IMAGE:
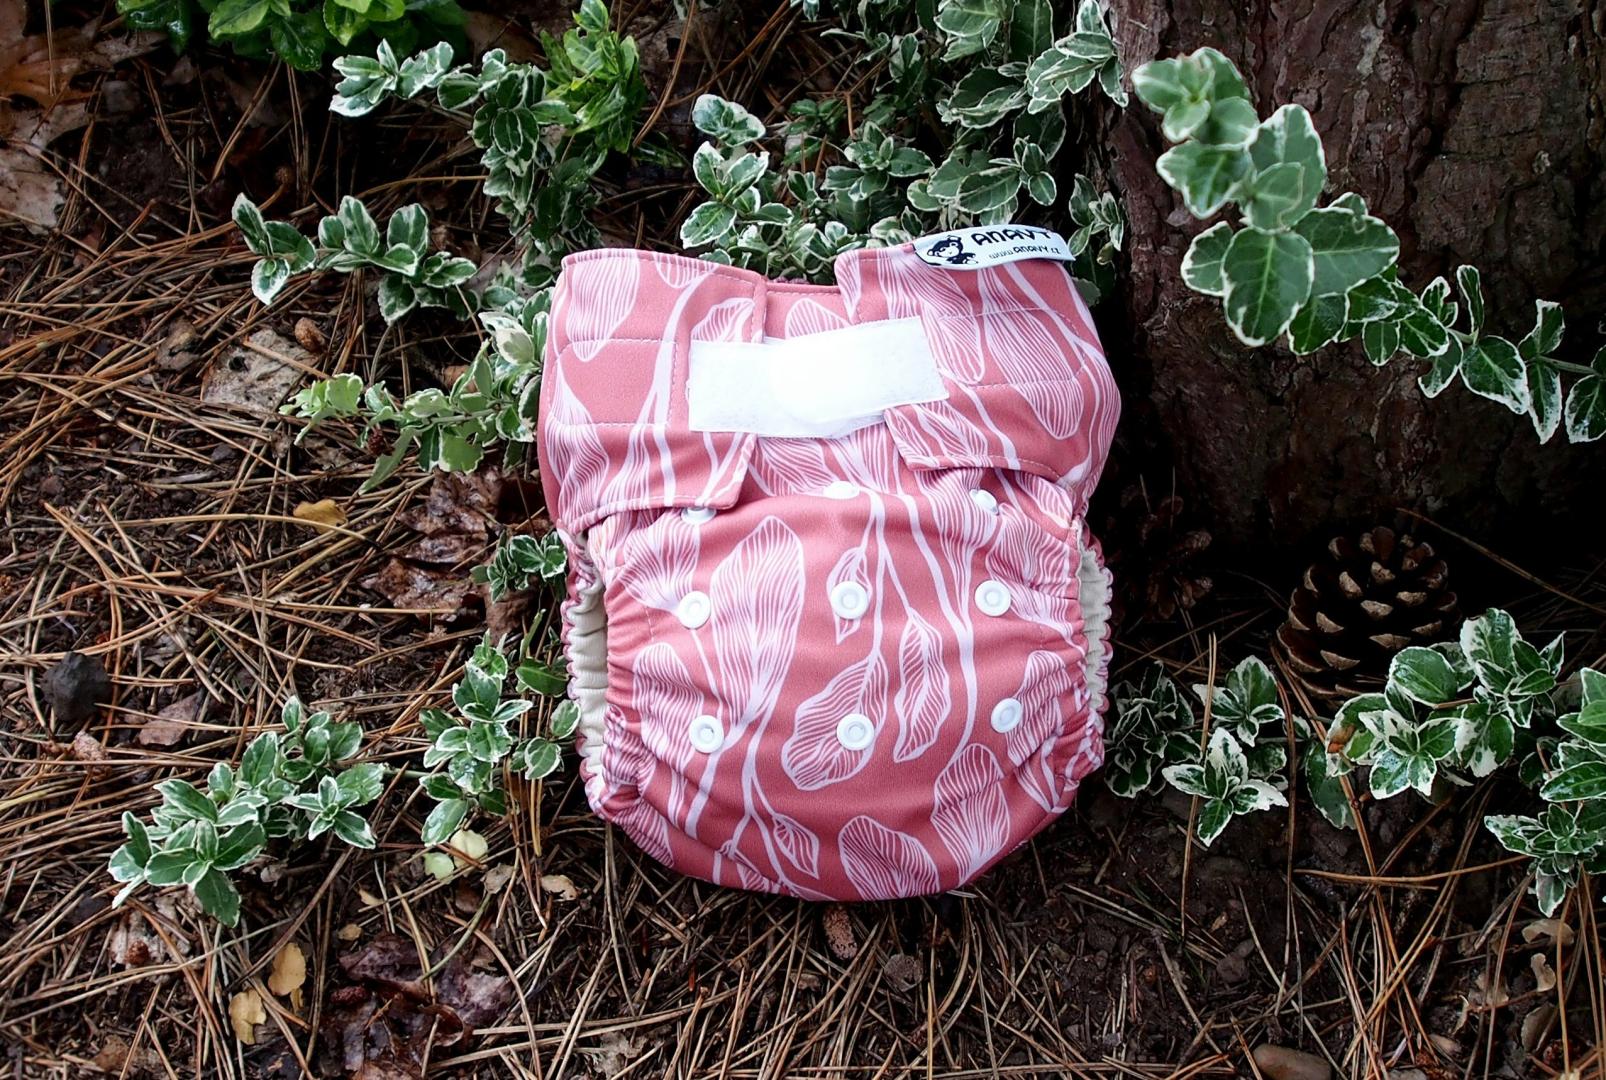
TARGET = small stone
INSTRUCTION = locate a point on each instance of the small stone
(902, 971)
(1281, 1063)
(310, 337)
(76, 688)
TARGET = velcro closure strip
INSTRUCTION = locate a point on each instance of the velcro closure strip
(815, 386)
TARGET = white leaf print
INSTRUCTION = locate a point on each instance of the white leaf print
(1042, 696)
(807, 317)
(913, 289)
(790, 466)
(850, 566)
(600, 294)
(923, 697)
(1036, 565)
(666, 699)
(648, 828)
(800, 846)
(678, 270)
(939, 433)
(656, 563)
(573, 448)
(727, 320)
(969, 810)
(1033, 356)
(884, 863)
(626, 761)
(868, 458)
(812, 755)
(757, 594)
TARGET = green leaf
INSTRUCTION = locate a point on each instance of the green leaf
(983, 98)
(1544, 397)
(1319, 322)
(1470, 284)
(236, 18)
(707, 224)
(1545, 337)
(443, 821)
(268, 278)
(726, 121)
(1423, 675)
(1446, 366)
(396, 297)
(1489, 642)
(1206, 176)
(990, 188)
(1288, 137)
(190, 802)
(1347, 248)
(1202, 262)
(1268, 277)
(299, 38)
(409, 228)
(361, 233)
(352, 829)
(1585, 780)
(218, 897)
(1586, 407)
(239, 846)
(459, 454)
(1493, 368)
(566, 718)
(1272, 198)
(539, 759)
(248, 219)
(1031, 28)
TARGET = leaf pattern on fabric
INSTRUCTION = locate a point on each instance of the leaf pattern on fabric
(850, 566)
(657, 563)
(969, 810)
(600, 293)
(783, 806)
(812, 756)
(923, 699)
(800, 846)
(666, 698)
(727, 320)
(883, 863)
(757, 595)
(807, 317)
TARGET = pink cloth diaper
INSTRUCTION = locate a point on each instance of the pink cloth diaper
(834, 622)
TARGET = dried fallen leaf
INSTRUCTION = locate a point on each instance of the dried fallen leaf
(839, 933)
(349, 933)
(246, 1011)
(87, 749)
(1544, 974)
(560, 885)
(478, 998)
(257, 374)
(173, 722)
(310, 337)
(321, 514)
(616, 1053)
(289, 973)
(1550, 930)
(415, 588)
(497, 877)
(1534, 1025)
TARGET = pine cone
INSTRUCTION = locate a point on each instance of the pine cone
(1369, 598)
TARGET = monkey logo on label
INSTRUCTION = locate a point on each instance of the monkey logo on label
(981, 247)
(951, 250)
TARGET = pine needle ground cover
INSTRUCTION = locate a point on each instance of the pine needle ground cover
(180, 561)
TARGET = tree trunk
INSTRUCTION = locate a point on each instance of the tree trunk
(1475, 129)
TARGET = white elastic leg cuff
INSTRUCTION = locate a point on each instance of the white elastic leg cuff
(1094, 596)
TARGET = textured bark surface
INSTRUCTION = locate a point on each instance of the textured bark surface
(1475, 128)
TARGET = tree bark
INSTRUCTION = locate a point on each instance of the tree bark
(1475, 129)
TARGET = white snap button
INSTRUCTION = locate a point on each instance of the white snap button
(854, 731)
(992, 597)
(694, 609)
(840, 489)
(1006, 714)
(850, 600)
(697, 514)
(708, 734)
(985, 499)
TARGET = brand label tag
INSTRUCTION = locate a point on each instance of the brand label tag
(981, 246)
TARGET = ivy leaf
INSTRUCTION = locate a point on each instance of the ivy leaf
(236, 18)
(1348, 248)
(1446, 366)
(218, 896)
(1268, 276)
(300, 39)
(707, 224)
(443, 821)
(1423, 675)
(725, 121)
(1544, 397)
(1288, 137)
(1586, 404)
(1201, 266)
(1492, 368)
(1470, 284)
(1206, 176)
(1319, 322)
(408, 228)
(1272, 197)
